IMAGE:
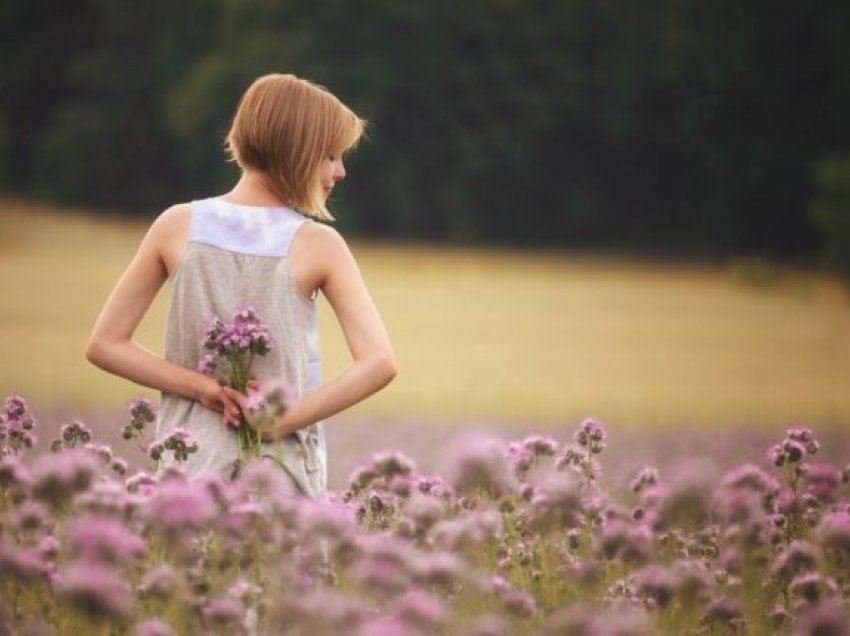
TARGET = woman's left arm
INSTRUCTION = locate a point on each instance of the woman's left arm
(111, 345)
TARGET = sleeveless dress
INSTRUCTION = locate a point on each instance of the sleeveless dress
(234, 255)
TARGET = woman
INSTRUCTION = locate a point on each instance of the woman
(257, 244)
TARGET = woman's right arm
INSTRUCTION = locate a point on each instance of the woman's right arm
(111, 345)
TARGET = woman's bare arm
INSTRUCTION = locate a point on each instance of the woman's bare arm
(373, 363)
(111, 345)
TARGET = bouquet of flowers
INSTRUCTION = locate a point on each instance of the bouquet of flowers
(232, 346)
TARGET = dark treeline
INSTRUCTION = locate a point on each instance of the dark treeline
(720, 126)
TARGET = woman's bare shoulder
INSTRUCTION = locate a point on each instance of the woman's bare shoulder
(323, 238)
(174, 217)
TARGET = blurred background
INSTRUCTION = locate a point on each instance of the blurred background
(638, 211)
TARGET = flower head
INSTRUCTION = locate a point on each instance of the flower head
(479, 463)
(104, 539)
(96, 590)
(591, 435)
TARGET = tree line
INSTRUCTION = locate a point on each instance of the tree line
(663, 124)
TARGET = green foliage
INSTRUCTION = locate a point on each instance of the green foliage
(831, 209)
(676, 123)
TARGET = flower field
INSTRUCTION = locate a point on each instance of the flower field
(533, 536)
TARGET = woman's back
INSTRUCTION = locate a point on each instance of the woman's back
(288, 137)
(233, 255)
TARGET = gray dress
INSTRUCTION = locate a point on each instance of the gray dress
(235, 255)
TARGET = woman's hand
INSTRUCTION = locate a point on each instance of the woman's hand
(221, 400)
(231, 403)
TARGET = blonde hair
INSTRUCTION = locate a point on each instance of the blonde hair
(285, 126)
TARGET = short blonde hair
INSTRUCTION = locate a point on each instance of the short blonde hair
(284, 126)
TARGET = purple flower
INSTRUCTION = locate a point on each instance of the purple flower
(362, 477)
(752, 477)
(469, 532)
(516, 602)
(478, 463)
(822, 481)
(179, 506)
(99, 538)
(424, 510)
(385, 626)
(541, 445)
(834, 532)
(725, 610)
(626, 541)
(271, 402)
(686, 501)
(159, 582)
(422, 610)
(142, 412)
(31, 516)
(245, 333)
(521, 459)
(142, 482)
(381, 571)
(556, 505)
(810, 586)
(223, 612)
(16, 424)
(793, 450)
(828, 618)
(391, 463)
(441, 569)
(154, 627)
(13, 473)
(800, 434)
(591, 435)
(208, 365)
(657, 583)
(21, 564)
(16, 407)
(73, 433)
(96, 590)
(180, 442)
(797, 557)
(56, 478)
(321, 519)
(647, 477)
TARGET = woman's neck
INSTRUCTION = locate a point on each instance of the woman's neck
(253, 189)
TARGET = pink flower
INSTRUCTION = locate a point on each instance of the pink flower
(822, 481)
(105, 539)
(391, 463)
(179, 506)
(21, 564)
(556, 505)
(422, 610)
(154, 627)
(834, 532)
(96, 590)
(385, 626)
(57, 478)
(478, 463)
(159, 582)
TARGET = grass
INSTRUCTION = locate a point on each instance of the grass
(478, 333)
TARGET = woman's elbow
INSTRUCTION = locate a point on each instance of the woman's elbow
(385, 369)
(96, 352)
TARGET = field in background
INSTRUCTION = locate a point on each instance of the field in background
(479, 334)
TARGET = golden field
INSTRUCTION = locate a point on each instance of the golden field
(479, 334)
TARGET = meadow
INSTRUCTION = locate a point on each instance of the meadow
(520, 537)
(687, 505)
(532, 338)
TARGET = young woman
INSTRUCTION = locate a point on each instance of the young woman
(257, 244)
